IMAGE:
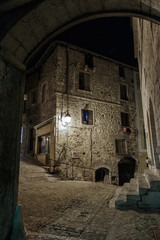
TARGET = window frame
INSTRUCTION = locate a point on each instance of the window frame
(117, 147)
(126, 92)
(123, 114)
(85, 86)
(92, 120)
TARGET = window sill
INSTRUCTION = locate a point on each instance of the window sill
(84, 91)
(125, 100)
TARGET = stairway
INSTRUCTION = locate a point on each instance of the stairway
(143, 191)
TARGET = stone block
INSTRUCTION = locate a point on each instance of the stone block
(151, 200)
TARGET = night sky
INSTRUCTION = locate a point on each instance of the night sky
(111, 37)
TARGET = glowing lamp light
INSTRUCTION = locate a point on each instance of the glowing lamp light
(67, 118)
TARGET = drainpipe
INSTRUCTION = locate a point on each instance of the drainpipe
(67, 80)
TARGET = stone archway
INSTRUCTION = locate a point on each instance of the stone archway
(36, 24)
(102, 175)
(126, 169)
(24, 32)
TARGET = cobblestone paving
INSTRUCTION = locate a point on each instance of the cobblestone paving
(71, 210)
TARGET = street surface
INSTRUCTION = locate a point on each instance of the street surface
(71, 210)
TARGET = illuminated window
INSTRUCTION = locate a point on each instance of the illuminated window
(87, 117)
(120, 146)
(84, 81)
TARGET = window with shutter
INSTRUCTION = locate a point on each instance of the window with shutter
(123, 92)
(124, 119)
(84, 81)
(87, 117)
(120, 146)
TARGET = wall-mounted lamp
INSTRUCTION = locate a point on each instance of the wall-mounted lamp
(67, 118)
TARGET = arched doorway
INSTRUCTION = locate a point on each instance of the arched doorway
(126, 168)
(102, 175)
(153, 134)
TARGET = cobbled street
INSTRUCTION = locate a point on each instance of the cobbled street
(70, 210)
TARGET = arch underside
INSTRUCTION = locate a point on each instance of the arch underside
(40, 21)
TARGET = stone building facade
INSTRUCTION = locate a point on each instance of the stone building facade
(147, 51)
(101, 141)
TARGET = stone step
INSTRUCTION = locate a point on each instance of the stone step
(150, 200)
(129, 196)
(143, 184)
(153, 179)
(120, 202)
(143, 191)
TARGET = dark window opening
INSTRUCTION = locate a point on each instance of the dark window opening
(84, 81)
(123, 92)
(89, 60)
(101, 175)
(124, 119)
(120, 146)
(44, 144)
(121, 72)
(87, 117)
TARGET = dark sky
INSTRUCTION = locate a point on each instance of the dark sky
(111, 37)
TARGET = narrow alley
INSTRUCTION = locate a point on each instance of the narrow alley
(70, 210)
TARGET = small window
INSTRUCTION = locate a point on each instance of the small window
(89, 60)
(121, 72)
(123, 92)
(87, 117)
(120, 146)
(124, 119)
(44, 93)
(84, 81)
(44, 144)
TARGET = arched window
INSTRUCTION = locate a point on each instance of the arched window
(44, 93)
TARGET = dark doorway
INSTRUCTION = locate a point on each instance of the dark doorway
(100, 174)
(126, 168)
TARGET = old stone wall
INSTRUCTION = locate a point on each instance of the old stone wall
(46, 74)
(93, 146)
(147, 39)
(80, 149)
(11, 95)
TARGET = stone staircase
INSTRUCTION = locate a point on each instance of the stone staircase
(143, 191)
